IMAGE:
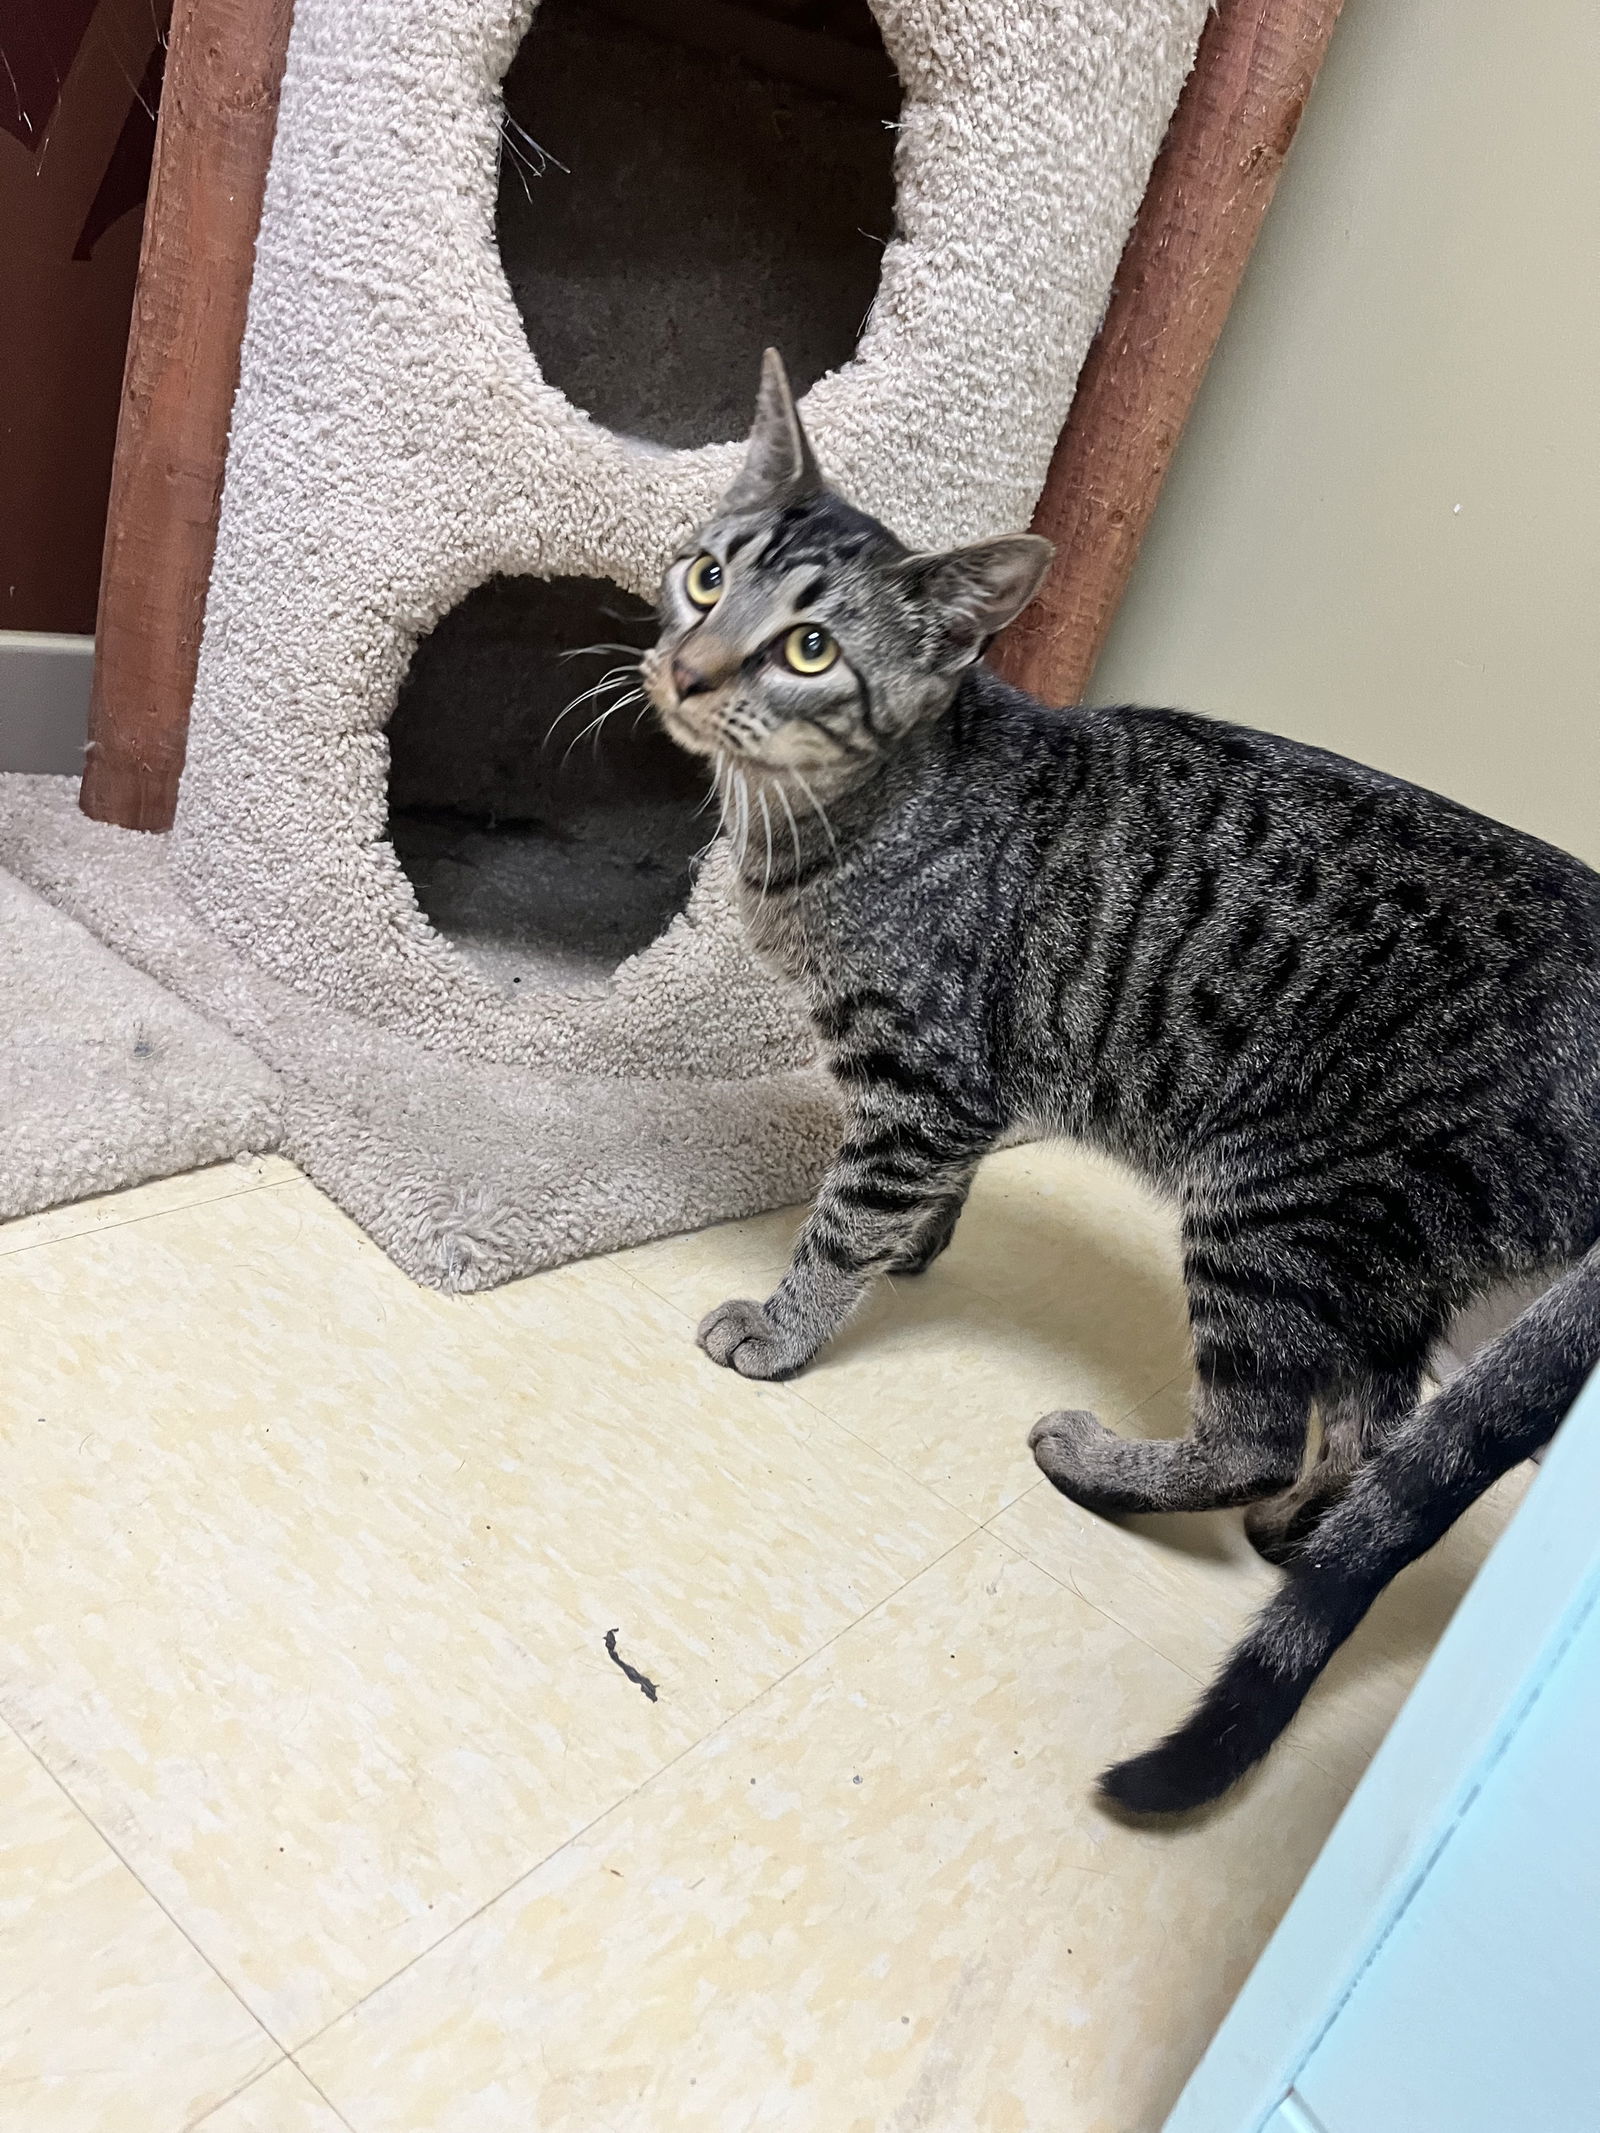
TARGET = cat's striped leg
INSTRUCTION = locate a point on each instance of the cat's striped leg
(1283, 1307)
(1356, 1423)
(938, 1226)
(1247, 1442)
(889, 1204)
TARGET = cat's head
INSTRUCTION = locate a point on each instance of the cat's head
(799, 634)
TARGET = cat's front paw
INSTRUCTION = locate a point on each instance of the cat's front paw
(741, 1337)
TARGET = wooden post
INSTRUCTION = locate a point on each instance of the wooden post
(214, 139)
(1208, 193)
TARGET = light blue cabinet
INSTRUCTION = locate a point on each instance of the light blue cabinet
(1439, 1971)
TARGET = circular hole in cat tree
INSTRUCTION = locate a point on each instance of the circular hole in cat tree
(686, 182)
(546, 834)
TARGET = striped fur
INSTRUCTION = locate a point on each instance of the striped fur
(1352, 1028)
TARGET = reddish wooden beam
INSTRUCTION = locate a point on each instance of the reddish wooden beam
(1208, 193)
(219, 108)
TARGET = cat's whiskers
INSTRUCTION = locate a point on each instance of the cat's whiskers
(794, 828)
(714, 794)
(741, 830)
(817, 807)
(617, 678)
(501, 146)
(524, 164)
(546, 159)
(595, 724)
(766, 819)
(612, 674)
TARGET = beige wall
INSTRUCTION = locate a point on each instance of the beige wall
(1382, 529)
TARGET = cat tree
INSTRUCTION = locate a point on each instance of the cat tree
(395, 446)
(502, 323)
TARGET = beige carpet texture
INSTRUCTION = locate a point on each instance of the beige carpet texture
(467, 1173)
(107, 1079)
(514, 274)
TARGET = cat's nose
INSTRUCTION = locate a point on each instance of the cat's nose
(688, 680)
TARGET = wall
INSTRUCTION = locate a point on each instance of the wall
(1382, 529)
(44, 701)
(77, 95)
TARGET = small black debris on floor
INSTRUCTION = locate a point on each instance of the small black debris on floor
(632, 1672)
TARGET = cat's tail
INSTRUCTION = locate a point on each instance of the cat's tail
(1506, 1404)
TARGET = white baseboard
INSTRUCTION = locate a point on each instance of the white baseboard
(44, 701)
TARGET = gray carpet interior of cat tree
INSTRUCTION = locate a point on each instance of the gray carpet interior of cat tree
(688, 210)
(531, 908)
(547, 826)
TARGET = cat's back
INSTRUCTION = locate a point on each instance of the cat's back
(1199, 891)
(1305, 830)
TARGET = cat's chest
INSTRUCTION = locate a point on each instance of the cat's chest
(811, 945)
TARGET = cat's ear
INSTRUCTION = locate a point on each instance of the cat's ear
(974, 592)
(780, 465)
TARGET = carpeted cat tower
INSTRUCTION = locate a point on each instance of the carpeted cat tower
(397, 446)
(509, 295)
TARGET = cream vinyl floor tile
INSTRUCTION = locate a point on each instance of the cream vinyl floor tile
(880, 1899)
(108, 2018)
(305, 1579)
(1061, 1289)
(309, 1571)
(702, 1269)
(947, 1381)
(1048, 1218)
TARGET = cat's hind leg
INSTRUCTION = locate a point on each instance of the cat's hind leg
(1357, 1422)
(1264, 1317)
(1284, 1306)
(1247, 1442)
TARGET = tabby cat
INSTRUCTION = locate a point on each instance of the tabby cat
(1352, 1028)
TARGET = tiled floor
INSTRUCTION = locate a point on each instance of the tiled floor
(323, 1806)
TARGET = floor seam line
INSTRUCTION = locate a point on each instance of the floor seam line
(633, 1793)
(1026, 1555)
(321, 2091)
(157, 1214)
(197, 2125)
(127, 1864)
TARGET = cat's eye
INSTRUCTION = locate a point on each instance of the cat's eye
(809, 650)
(703, 581)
